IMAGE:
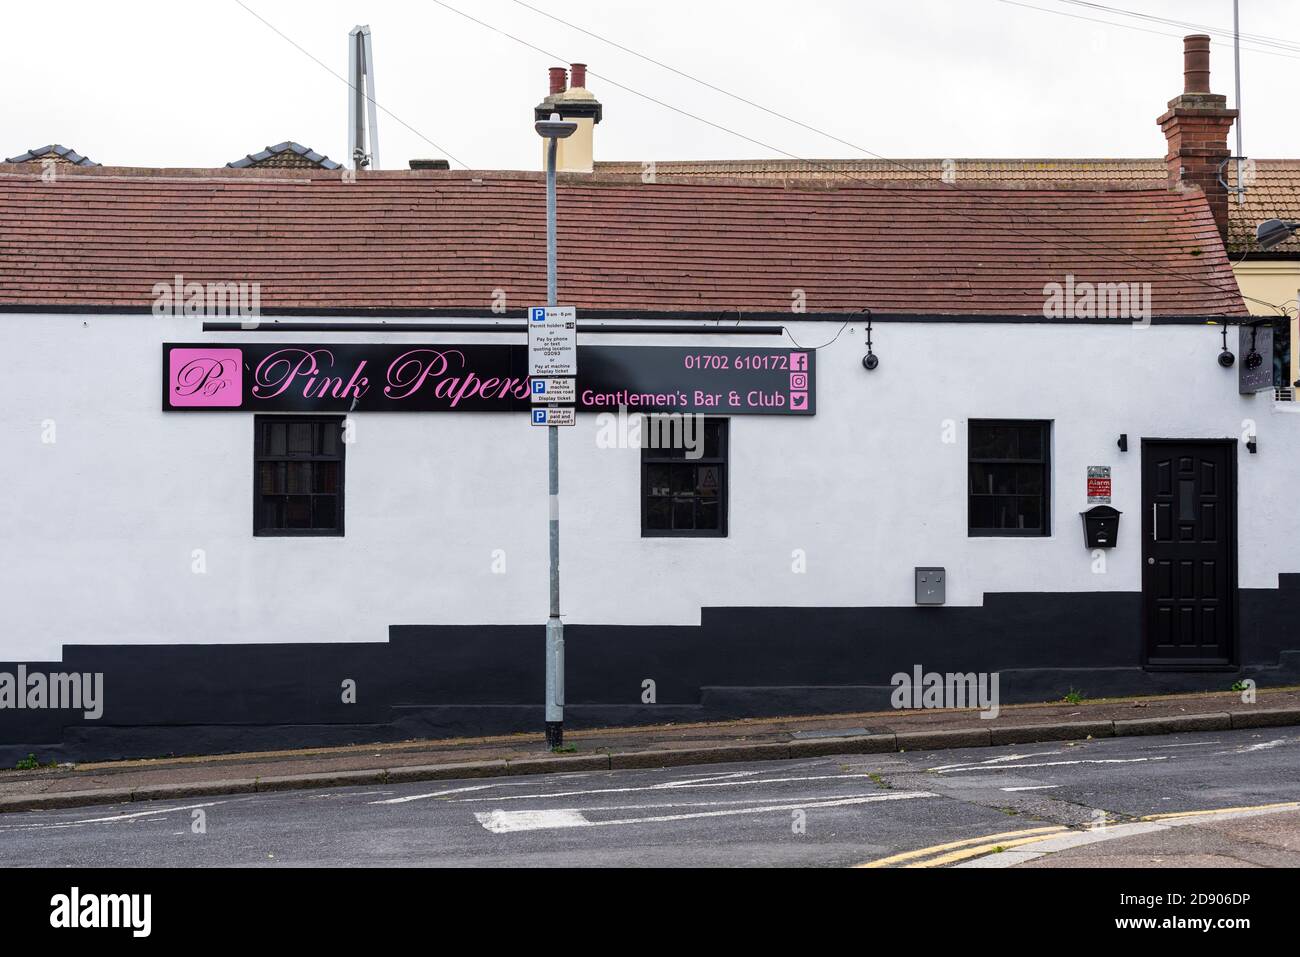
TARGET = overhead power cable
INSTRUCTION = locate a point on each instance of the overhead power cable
(1097, 248)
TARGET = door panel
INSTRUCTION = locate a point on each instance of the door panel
(1189, 552)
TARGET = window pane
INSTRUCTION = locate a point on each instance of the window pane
(272, 513)
(1031, 442)
(1029, 480)
(713, 438)
(297, 511)
(992, 479)
(683, 513)
(710, 514)
(683, 479)
(707, 479)
(1029, 512)
(299, 477)
(275, 438)
(981, 511)
(325, 512)
(657, 480)
(325, 477)
(1004, 512)
(992, 442)
(658, 514)
(300, 438)
(330, 438)
(269, 477)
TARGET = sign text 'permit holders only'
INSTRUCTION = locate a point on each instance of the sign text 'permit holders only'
(552, 341)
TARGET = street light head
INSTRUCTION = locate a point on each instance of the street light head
(555, 128)
(1273, 232)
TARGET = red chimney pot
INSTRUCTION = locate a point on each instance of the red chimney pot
(579, 71)
(558, 76)
(1196, 64)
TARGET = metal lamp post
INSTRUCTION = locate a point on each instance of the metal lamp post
(553, 130)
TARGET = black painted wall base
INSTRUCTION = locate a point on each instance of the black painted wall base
(450, 680)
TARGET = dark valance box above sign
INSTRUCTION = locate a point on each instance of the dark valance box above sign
(381, 377)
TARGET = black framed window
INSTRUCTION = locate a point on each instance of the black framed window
(298, 475)
(685, 497)
(1010, 477)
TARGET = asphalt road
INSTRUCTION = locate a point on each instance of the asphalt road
(821, 812)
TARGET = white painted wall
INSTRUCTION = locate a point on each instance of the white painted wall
(97, 529)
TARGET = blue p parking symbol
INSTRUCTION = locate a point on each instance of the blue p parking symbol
(539, 387)
(539, 416)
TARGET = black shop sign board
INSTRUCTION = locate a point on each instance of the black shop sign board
(488, 377)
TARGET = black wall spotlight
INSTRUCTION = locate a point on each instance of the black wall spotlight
(1252, 446)
(870, 361)
(1226, 358)
(1123, 442)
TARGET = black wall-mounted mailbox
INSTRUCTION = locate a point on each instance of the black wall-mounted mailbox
(1101, 526)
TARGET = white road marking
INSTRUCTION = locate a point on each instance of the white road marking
(1262, 746)
(112, 819)
(706, 780)
(1193, 744)
(1046, 764)
(668, 785)
(503, 822)
(715, 776)
(659, 806)
(436, 794)
(1033, 787)
(1001, 760)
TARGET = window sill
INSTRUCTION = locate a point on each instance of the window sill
(299, 534)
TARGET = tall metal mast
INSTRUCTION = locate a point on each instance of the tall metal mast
(363, 126)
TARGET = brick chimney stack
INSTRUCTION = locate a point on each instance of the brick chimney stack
(1196, 128)
(569, 97)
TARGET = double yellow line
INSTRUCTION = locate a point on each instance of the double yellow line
(940, 855)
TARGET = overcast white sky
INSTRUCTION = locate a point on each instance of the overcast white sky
(173, 83)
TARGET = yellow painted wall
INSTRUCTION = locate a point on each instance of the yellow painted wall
(1273, 281)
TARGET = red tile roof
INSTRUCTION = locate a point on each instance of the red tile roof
(450, 240)
(1273, 192)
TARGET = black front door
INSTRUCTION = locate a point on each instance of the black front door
(1189, 552)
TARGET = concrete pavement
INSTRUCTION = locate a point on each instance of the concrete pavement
(645, 747)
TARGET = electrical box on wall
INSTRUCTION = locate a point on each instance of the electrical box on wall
(930, 583)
